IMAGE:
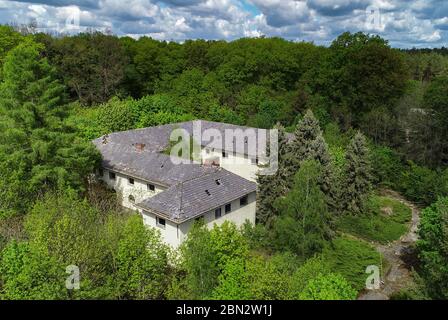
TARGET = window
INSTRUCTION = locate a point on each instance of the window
(218, 213)
(131, 199)
(243, 201)
(131, 180)
(151, 187)
(228, 208)
(112, 175)
(224, 155)
(161, 222)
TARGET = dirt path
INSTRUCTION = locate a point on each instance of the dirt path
(398, 275)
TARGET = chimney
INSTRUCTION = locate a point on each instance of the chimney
(139, 146)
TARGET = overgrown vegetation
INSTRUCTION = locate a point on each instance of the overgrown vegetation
(362, 115)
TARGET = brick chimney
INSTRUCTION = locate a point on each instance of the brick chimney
(139, 146)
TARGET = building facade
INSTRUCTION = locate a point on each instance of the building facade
(170, 195)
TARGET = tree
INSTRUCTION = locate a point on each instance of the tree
(8, 40)
(37, 150)
(28, 273)
(92, 65)
(117, 255)
(272, 187)
(433, 248)
(141, 262)
(304, 225)
(357, 175)
(308, 144)
(360, 72)
(206, 254)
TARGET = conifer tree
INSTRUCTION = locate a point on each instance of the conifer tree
(308, 143)
(304, 224)
(37, 150)
(272, 187)
(357, 175)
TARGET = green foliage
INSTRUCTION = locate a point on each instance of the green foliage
(304, 225)
(116, 115)
(92, 65)
(38, 151)
(272, 187)
(311, 269)
(361, 72)
(350, 258)
(357, 184)
(433, 248)
(386, 166)
(118, 257)
(386, 220)
(328, 287)
(28, 273)
(422, 184)
(207, 253)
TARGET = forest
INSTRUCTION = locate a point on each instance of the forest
(370, 127)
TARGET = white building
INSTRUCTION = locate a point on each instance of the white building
(170, 195)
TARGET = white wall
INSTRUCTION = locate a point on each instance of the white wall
(124, 189)
(174, 234)
(235, 163)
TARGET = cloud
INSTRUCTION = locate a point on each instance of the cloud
(404, 23)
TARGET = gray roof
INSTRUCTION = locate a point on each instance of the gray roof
(157, 138)
(186, 182)
(192, 198)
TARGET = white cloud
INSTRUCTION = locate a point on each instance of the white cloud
(404, 23)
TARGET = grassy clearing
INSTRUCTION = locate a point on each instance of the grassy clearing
(385, 221)
(350, 257)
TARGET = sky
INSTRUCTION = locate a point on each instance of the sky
(404, 23)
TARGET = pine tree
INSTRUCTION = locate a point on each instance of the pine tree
(37, 150)
(272, 187)
(357, 175)
(309, 144)
(304, 224)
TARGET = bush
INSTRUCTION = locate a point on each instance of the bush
(350, 257)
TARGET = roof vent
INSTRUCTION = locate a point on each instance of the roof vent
(218, 182)
(208, 192)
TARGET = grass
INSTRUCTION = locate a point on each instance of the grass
(350, 257)
(378, 225)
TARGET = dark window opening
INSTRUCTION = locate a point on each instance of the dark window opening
(112, 175)
(151, 187)
(224, 155)
(218, 213)
(161, 222)
(228, 208)
(131, 199)
(131, 181)
(243, 201)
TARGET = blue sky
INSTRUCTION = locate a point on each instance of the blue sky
(415, 23)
